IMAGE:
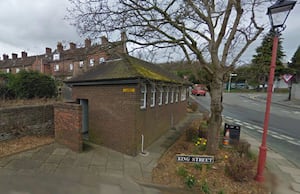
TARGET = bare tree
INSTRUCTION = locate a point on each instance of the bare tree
(215, 33)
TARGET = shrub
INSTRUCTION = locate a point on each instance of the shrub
(242, 147)
(191, 133)
(240, 168)
(203, 129)
(181, 171)
(32, 84)
(193, 106)
(205, 188)
(200, 143)
(190, 181)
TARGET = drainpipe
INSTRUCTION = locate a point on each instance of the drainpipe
(143, 144)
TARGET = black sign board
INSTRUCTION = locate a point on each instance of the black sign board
(234, 132)
(203, 159)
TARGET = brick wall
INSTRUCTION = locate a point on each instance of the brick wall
(153, 122)
(68, 123)
(116, 120)
(27, 120)
(111, 116)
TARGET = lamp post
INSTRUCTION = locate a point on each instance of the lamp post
(278, 14)
(230, 76)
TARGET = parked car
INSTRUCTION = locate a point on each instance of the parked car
(199, 91)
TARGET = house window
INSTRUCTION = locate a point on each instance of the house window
(71, 67)
(56, 56)
(167, 95)
(143, 96)
(81, 64)
(56, 67)
(172, 95)
(101, 60)
(176, 95)
(7, 70)
(153, 91)
(92, 62)
(160, 99)
(183, 94)
(17, 70)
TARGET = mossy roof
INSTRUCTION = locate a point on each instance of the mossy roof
(126, 67)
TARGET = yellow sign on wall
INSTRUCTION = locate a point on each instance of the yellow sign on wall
(128, 90)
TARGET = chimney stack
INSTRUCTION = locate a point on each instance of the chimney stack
(24, 54)
(5, 57)
(72, 46)
(48, 51)
(14, 56)
(87, 43)
(60, 47)
(104, 40)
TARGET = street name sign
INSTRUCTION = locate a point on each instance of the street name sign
(202, 159)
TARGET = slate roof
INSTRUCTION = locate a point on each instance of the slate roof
(19, 62)
(125, 67)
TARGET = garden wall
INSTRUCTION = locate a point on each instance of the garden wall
(26, 120)
(68, 124)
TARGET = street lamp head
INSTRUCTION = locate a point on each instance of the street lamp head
(279, 12)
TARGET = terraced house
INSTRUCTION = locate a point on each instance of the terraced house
(127, 99)
(65, 63)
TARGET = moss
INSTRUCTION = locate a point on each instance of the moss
(147, 73)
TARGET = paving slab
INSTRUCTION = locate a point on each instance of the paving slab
(296, 187)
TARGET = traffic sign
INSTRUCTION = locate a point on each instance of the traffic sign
(287, 77)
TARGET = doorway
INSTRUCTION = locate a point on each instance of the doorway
(85, 118)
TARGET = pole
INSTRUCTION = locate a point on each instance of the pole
(229, 83)
(263, 148)
(290, 89)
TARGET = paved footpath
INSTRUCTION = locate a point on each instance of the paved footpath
(287, 175)
(54, 169)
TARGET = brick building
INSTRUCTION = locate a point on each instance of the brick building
(65, 63)
(126, 98)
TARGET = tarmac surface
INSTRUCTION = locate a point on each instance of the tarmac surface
(54, 169)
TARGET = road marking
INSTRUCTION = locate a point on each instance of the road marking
(239, 123)
(287, 137)
(249, 127)
(285, 111)
(277, 137)
(295, 143)
(274, 132)
(256, 127)
(259, 131)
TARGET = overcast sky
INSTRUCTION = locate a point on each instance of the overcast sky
(32, 25)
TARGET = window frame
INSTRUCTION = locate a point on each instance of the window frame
(143, 99)
(92, 62)
(56, 67)
(167, 89)
(176, 94)
(172, 95)
(56, 57)
(183, 94)
(71, 67)
(153, 95)
(160, 99)
(81, 64)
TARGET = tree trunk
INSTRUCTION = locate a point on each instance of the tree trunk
(216, 108)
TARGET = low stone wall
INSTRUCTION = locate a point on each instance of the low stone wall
(296, 92)
(27, 120)
(68, 124)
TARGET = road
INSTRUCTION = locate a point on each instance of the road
(249, 113)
